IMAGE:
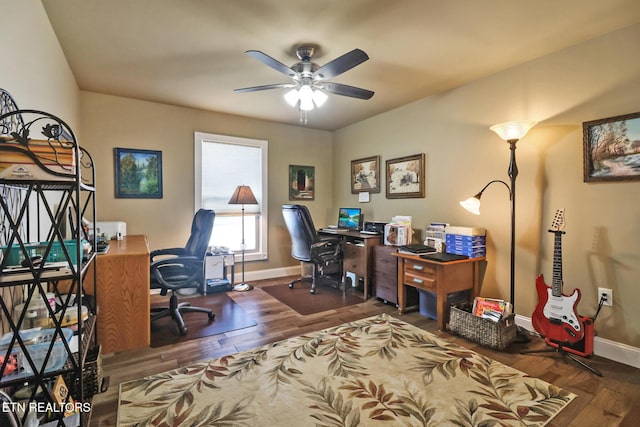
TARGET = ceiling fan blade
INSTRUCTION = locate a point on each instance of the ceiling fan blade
(265, 87)
(340, 64)
(346, 90)
(273, 63)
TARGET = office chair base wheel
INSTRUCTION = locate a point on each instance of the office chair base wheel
(212, 316)
(312, 291)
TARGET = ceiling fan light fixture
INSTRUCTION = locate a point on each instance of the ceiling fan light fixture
(306, 104)
(292, 97)
(310, 88)
(306, 98)
(319, 97)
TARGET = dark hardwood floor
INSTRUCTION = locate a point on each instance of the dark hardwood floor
(611, 400)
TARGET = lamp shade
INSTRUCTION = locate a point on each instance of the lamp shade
(243, 196)
(472, 204)
(514, 130)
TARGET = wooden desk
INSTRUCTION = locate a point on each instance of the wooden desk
(442, 278)
(358, 254)
(124, 320)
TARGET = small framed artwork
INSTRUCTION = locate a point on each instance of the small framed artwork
(406, 177)
(301, 182)
(612, 148)
(365, 175)
(138, 173)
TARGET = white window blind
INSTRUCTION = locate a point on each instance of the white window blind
(221, 164)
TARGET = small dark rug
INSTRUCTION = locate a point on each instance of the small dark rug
(229, 317)
(301, 300)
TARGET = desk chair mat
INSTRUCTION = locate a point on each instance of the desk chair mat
(303, 302)
(229, 317)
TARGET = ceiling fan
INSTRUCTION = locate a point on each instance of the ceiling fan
(310, 80)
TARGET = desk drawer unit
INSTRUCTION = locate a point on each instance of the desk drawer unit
(355, 259)
(419, 274)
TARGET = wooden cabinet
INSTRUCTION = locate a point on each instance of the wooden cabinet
(123, 291)
(386, 273)
(385, 276)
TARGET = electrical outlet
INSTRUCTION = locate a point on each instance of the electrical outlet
(608, 293)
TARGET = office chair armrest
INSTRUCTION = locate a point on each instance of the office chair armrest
(173, 273)
(167, 252)
(330, 242)
(326, 249)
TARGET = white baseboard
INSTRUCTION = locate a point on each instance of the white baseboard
(602, 347)
(267, 274)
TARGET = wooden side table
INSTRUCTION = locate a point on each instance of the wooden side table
(442, 278)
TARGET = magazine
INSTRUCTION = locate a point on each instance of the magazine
(490, 308)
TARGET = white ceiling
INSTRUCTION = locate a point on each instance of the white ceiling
(191, 52)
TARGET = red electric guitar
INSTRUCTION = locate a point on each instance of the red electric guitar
(555, 316)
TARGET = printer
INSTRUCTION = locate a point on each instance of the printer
(111, 229)
(374, 227)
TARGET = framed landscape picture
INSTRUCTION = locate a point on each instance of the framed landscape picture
(365, 175)
(138, 173)
(612, 148)
(301, 182)
(405, 177)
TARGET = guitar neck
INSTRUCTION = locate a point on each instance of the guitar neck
(556, 287)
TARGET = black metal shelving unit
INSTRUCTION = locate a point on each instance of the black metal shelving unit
(47, 189)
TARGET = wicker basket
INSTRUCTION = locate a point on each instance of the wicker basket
(91, 375)
(496, 335)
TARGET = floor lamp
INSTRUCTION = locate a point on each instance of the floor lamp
(243, 196)
(511, 132)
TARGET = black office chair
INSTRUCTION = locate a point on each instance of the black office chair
(306, 246)
(181, 268)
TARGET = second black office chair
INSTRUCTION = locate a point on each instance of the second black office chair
(181, 268)
(306, 246)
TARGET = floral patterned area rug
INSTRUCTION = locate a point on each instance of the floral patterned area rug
(375, 371)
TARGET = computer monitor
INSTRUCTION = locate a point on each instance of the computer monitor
(350, 218)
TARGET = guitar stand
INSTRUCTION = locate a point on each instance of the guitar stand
(583, 348)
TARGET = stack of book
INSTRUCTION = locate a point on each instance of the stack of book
(490, 308)
(469, 241)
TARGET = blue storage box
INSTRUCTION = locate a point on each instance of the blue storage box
(477, 252)
(455, 239)
(428, 301)
(428, 307)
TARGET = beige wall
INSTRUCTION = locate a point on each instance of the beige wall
(601, 247)
(110, 122)
(34, 70)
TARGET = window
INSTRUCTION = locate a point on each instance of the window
(221, 164)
